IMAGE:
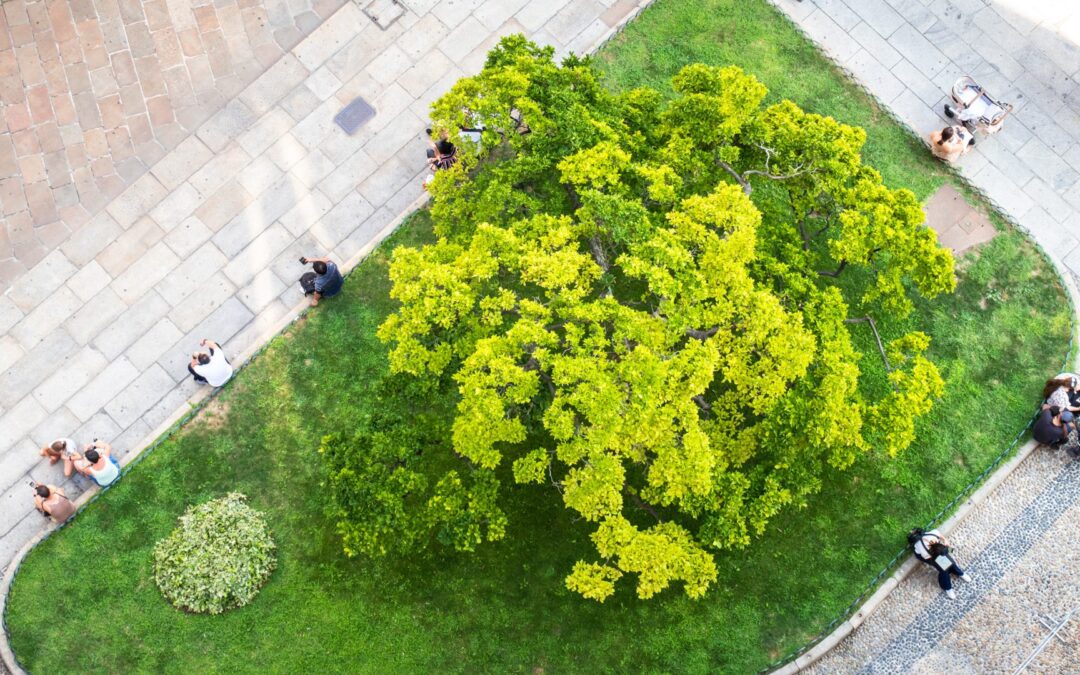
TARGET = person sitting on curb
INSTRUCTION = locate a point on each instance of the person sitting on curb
(325, 282)
(96, 461)
(951, 143)
(933, 549)
(210, 367)
(52, 502)
(1048, 429)
(59, 449)
(1056, 393)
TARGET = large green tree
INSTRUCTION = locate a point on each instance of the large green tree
(623, 325)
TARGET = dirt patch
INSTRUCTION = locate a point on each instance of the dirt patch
(214, 414)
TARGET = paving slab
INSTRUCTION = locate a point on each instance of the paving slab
(1016, 543)
(198, 195)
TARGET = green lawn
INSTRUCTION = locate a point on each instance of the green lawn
(505, 609)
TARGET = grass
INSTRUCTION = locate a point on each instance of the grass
(85, 600)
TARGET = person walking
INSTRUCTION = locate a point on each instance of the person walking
(52, 502)
(933, 549)
(96, 461)
(324, 282)
(210, 367)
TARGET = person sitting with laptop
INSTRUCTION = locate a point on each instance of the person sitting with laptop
(933, 549)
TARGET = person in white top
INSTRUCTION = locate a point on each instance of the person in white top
(933, 549)
(210, 367)
(96, 461)
(59, 449)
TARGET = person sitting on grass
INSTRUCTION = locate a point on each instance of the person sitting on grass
(52, 502)
(325, 282)
(96, 461)
(58, 449)
(933, 549)
(210, 367)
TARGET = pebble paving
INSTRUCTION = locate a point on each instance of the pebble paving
(941, 615)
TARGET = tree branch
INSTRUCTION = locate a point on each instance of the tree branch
(643, 505)
(598, 253)
(702, 403)
(738, 178)
(881, 348)
(702, 334)
(835, 273)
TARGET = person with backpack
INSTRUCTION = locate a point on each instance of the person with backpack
(933, 549)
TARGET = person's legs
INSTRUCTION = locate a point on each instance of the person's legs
(944, 580)
(1067, 420)
(198, 378)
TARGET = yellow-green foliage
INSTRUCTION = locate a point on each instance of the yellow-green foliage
(604, 287)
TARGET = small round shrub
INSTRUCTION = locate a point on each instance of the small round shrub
(217, 559)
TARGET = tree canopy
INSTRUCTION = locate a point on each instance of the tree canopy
(645, 303)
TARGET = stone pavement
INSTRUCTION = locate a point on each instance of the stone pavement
(1018, 547)
(94, 92)
(96, 336)
(909, 52)
(1020, 543)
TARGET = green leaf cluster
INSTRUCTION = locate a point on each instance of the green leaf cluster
(218, 557)
(623, 322)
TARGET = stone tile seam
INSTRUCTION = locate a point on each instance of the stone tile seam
(251, 86)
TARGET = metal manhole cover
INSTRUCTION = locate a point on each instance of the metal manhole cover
(354, 115)
(384, 12)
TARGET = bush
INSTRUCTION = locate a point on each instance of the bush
(217, 559)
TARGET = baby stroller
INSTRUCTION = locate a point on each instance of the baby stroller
(976, 109)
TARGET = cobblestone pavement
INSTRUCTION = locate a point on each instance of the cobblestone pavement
(94, 92)
(1020, 544)
(94, 338)
(1018, 548)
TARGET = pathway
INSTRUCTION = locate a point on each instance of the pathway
(94, 92)
(95, 336)
(1020, 543)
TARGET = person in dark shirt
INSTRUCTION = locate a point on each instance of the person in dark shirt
(325, 282)
(442, 154)
(1048, 429)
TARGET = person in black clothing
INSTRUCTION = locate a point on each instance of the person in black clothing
(1048, 429)
(442, 154)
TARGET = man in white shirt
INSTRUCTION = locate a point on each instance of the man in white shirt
(210, 367)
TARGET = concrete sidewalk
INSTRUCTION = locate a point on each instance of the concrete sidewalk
(97, 335)
(908, 53)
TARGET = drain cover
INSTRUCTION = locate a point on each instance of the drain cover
(384, 12)
(354, 115)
